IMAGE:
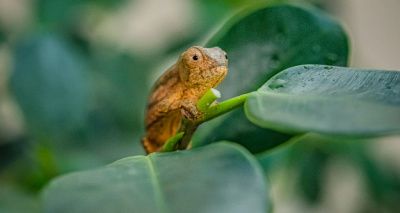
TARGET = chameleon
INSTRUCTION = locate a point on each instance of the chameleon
(175, 93)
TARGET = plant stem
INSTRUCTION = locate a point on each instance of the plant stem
(223, 107)
(182, 139)
(171, 143)
(205, 102)
(189, 130)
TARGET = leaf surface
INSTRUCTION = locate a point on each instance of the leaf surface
(330, 100)
(221, 177)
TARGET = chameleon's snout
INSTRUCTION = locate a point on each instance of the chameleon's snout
(218, 55)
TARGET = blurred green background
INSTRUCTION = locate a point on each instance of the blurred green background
(75, 74)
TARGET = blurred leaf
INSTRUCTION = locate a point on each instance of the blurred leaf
(330, 100)
(50, 85)
(235, 126)
(108, 3)
(217, 178)
(259, 44)
(309, 156)
(266, 41)
(210, 10)
(10, 151)
(120, 83)
(62, 13)
(15, 200)
(230, 3)
(2, 36)
(305, 160)
(55, 12)
(382, 181)
(311, 171)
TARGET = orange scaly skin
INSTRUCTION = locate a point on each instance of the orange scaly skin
(177, 91)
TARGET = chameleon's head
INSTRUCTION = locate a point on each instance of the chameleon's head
(205, 67)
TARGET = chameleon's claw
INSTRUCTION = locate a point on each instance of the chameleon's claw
(190, 114)
(190, 111)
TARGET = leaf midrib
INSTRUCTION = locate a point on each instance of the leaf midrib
(159, 197)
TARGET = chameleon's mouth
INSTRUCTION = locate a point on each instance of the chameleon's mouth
(217, 55)
(218, 73)
(218, 67)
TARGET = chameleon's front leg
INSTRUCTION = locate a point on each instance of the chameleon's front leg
(192, 114)
(190, 111)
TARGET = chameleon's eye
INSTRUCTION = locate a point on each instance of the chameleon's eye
(192, 57)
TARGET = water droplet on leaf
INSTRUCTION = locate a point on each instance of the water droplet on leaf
(277, 83)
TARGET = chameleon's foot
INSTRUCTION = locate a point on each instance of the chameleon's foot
(190, 111)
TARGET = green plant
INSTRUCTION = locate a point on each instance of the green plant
(273, 54)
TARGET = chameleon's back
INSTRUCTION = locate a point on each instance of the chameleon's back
(163, 116)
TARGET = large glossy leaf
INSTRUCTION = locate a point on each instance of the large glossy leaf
(261, 43)
(330, 100)
(217, 178)
(50, 85)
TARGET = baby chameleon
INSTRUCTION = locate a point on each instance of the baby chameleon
(176, 92)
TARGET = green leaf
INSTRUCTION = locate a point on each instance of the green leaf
(329, 100)
(50, 85)
(259, 44)
(217, 178)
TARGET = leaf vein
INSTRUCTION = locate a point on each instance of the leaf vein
(159, 197)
